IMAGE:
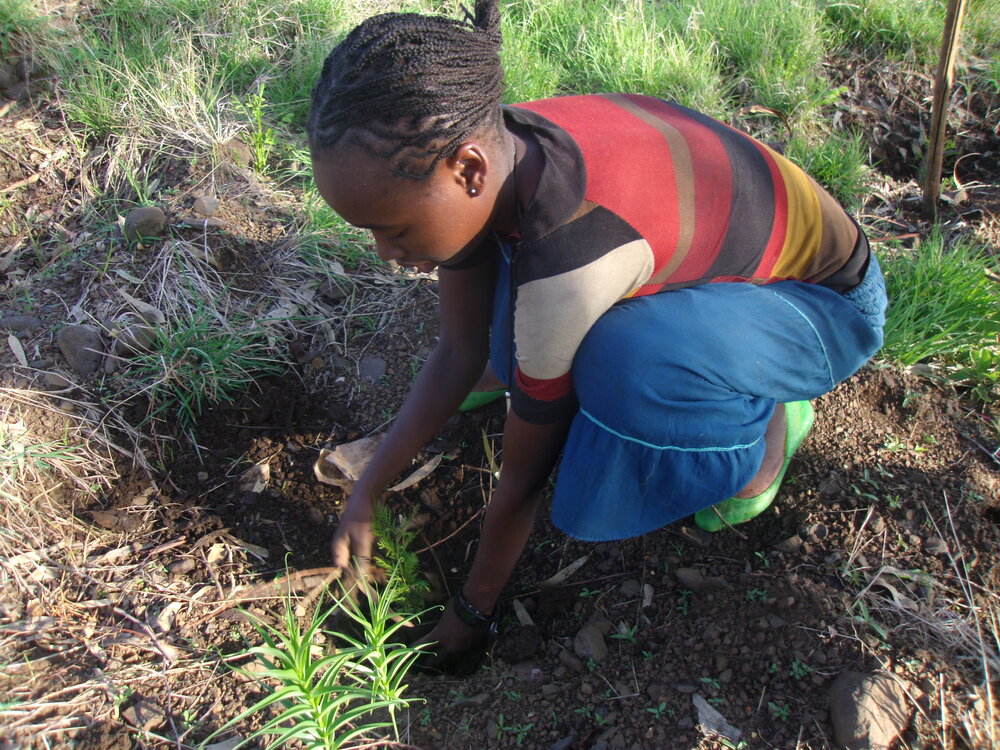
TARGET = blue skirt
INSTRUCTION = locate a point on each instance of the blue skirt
(676, 390)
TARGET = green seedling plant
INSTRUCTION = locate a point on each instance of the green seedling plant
(518, 731)
(659, 710)
(757, 595)
(798, 670)
(626, 634)
(261, 137)
(780, 711)
(395, 537)
(325, 703)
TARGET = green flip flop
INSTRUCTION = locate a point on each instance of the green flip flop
(475, 399)
(799, 418)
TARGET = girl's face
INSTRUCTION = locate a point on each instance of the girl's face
(416, 223)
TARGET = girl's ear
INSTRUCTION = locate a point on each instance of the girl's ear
(470, 167)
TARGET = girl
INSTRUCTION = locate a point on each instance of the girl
(660, 293)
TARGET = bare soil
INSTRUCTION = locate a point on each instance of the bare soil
(116, 613)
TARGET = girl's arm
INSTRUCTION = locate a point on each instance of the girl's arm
(529, 454)
(466, 301)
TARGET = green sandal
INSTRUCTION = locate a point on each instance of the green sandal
(799, 416)
(475, 399)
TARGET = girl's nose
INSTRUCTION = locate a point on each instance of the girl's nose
(387, 251)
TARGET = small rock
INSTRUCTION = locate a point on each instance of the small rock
(144, 714)
(203, 222)
(697, 537)
(935, 545)
(869, 710)
(790, 545)
(814, 532)
(685, 687)
(237, 152)
(55, 381)
(81, 346)
(206, 205)
(571, 662)
(589, 644)
(690, 578)
(371, 368)
(775, 622)
(564, 744)
(133, 340)
(146, 221)
(20, 323)
(630, 588)
(334, 290)
(182, 566)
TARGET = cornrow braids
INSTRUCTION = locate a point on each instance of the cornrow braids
(413, 86)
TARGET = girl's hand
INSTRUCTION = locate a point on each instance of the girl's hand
(451, 638)
(353, 537)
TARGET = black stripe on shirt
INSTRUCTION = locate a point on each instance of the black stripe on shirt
(574, 245)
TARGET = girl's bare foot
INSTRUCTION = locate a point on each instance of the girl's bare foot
(774, 455)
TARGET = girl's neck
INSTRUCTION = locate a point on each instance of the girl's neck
(521, 181)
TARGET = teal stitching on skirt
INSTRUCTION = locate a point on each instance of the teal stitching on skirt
(617, 434)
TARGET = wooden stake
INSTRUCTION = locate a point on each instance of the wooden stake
(939, 112)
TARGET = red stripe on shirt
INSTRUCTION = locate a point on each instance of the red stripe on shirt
(549, 389)
(623, 180)
(713, 188)
(776, 242)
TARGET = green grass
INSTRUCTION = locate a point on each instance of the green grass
(198, 360)
(942, 305)
(838, 162)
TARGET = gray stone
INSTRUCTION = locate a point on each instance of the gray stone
(870, 710)
(691, 578)
(81, 346)
(790, 545)
(630, 588)
(133, 340)
(146, 221)
(589, 644)
(55, 381)
(935, 545)
(564, 744)
(203, 222)
(697, 537)
(206, 205)
(20, 323)
(144, 714)
(814, 532)
(570, 661)
(371, 368)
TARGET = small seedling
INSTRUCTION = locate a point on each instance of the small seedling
(659, 710)
(762, 556)
(647, 655)
(520, 731)
(626, 634)
(512, 695)
(798, 670)
(712, 682)
(586, 593)
(773, 669)
(779, 711)
(757, 595)
(684, 605)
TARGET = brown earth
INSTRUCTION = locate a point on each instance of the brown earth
(878, 556)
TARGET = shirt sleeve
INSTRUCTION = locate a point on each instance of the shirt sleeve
(558, 302)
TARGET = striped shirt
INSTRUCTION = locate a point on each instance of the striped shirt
(638, 196)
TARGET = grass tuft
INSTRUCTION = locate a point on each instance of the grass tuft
(942, 303)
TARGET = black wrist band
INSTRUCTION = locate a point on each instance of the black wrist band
(469, 614)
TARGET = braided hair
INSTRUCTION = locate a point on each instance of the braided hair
(413, 86)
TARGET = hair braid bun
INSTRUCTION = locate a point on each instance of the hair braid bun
(411, 87)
